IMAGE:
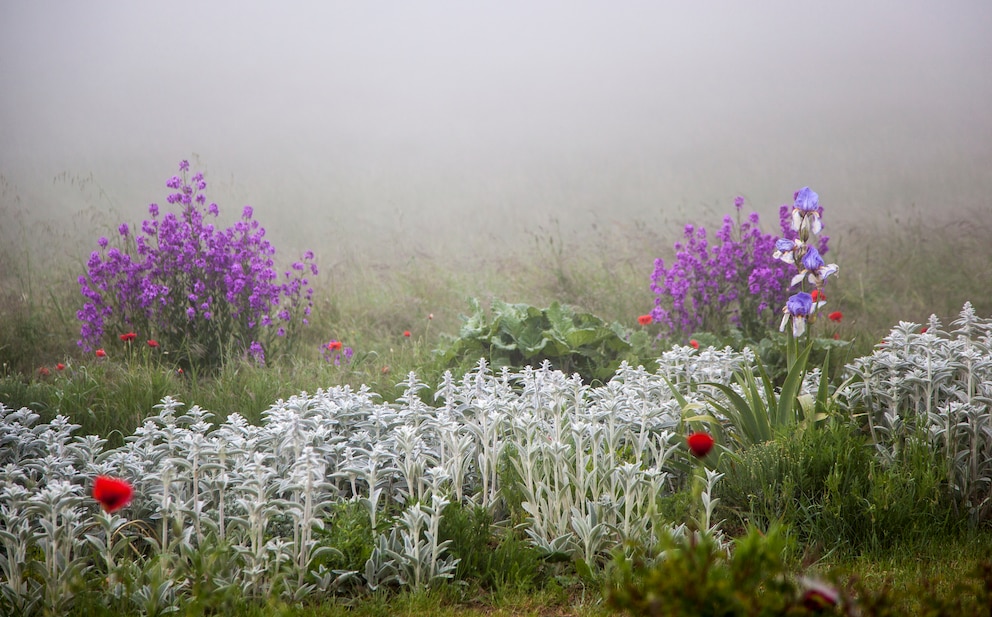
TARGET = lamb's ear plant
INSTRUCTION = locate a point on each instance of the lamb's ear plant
(20, 592)
(110, 540)
(590, 464)
(418, 552)
(933, 385)
(58, 509)
(210, 573)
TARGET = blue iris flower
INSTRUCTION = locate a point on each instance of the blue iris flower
(786, 250)
(812, 265)
(806, 211)
(798, 308)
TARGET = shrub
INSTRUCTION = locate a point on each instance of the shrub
(200, 292)
(697, 576)
(735, 284)
(829, 487)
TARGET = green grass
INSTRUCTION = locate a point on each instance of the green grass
(910, 268)
(909, 570)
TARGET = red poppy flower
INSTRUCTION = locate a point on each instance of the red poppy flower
(836, 336)
(60, 366)
(406, 333)
(694, 343)
(645, 320)
(334, 345)
(923, 330)
(818, 295)
(100, 353)
(700, 444)
(112, 493)
(44, 372)
(152, 343)
(835, 316)
(128, 337)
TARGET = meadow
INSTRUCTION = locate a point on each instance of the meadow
(415, 448)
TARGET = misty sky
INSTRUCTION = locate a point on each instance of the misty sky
(436, 123)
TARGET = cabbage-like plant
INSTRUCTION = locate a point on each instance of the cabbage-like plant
(518, 335)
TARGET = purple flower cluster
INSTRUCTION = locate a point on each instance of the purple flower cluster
(201, 291)
(733, 282)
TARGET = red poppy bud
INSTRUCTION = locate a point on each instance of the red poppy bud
(694, 343)
(112, 493)
(406, 333)
(60, 367)
(700, 444)
(819, 597)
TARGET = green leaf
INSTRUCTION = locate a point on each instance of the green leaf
(787, 400)
(749, 417)
(582, 338)
(823, 390)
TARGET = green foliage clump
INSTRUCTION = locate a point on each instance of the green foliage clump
(349, 532)
(832, 489)
(696, 576)
(495, 557)
(517, 335)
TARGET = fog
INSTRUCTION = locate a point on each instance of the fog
(466, 126)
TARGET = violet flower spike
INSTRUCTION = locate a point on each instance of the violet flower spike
(799, 307)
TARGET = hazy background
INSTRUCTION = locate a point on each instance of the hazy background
(376, 127)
